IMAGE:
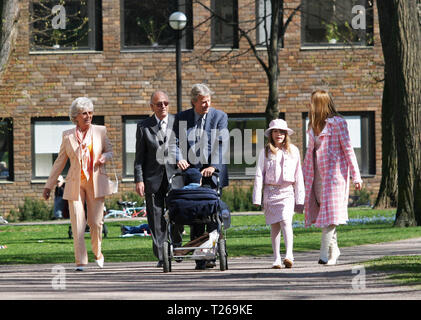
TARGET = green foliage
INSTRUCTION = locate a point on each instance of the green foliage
(363, 197)
(32, 209)
(239, 199)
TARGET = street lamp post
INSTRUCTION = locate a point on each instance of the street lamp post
(178, 21)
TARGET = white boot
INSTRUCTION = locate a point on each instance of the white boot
(334, 251)
(327, 234)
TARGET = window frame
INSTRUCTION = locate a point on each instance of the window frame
(365, 43)
(260, 24)
(95, 41)
(368, 141)
(8, 122)
(214, 21)
(137, 119)
(97, 119)
(186, 33)
(247, 116)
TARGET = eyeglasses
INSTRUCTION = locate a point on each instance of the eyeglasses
(161, 104)
(86, 113)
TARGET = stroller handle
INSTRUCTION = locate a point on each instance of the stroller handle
(177, 174)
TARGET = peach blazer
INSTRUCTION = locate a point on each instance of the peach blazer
(69, 149)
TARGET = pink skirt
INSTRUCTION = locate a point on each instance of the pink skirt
(278, 204)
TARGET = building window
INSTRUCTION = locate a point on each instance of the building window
(263, 21)
(361, 132)
(225, 23)
(129, 144)
(47, 137)
(66, 25)
(6, 149)
(337, 22)
(145, 24)
(246, 140)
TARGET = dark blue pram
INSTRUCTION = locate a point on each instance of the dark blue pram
(192, 206)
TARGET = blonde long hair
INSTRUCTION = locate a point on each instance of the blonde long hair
(321, 108)
(270, 145)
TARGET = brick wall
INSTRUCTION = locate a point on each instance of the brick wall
(120, 84)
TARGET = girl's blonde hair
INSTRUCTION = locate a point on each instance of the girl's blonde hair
(270, 145)
(321, 108)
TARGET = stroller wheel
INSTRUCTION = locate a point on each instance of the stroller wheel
(167, 257)
(223, 263)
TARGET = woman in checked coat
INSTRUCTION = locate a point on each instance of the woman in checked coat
(329, 161)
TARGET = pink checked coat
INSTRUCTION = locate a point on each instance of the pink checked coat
(69, 149)
(336, 161)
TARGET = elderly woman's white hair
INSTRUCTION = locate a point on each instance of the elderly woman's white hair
(80, 104)
(200, 89)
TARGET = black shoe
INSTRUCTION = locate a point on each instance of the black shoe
(200, 265)
(160, 264)
(322, 261)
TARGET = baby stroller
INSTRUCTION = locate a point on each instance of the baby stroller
(189, 206)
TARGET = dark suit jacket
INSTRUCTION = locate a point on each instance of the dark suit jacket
(152, 157)
(217, 143)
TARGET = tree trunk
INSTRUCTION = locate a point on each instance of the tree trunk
(388, 192)
(9, 30)
(403, 63)
(272, 72)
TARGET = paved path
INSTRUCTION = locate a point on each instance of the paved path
(248, 278)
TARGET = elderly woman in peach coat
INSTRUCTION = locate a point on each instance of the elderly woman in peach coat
(329, 161)
(88, 148)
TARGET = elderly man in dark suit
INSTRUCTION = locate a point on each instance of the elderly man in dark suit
(202, 143)
(153, 167)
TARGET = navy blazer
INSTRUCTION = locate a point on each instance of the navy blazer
(217, 142)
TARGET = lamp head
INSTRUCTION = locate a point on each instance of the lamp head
(178, 20)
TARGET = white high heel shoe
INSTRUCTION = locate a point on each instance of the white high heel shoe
(100, 262)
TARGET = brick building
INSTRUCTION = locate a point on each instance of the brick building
(120, 57)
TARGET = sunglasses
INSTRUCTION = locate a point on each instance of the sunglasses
(161, 104)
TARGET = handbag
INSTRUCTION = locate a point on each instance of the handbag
(113, 184)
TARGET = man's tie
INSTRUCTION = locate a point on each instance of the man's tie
(199, 129)
(161, 132)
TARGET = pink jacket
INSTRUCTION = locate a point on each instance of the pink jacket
(69, 149)
(335, 159)
(291, 171)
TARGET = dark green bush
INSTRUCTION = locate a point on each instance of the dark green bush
(32, 209)
(239, 199)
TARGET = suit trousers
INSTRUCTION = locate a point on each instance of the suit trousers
(95, 214)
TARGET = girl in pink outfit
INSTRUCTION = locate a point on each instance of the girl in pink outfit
(329, 160)
(279, 176)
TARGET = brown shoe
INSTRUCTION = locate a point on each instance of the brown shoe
(288, 263)
(276, 266)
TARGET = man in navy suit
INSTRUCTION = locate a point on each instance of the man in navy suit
(202, 143)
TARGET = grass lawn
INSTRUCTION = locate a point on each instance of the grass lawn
(248, 235)
(404, 270)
